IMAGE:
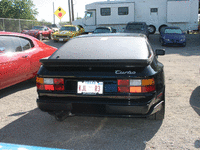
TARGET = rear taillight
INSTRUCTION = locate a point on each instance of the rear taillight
(136, 85)
(50, 84)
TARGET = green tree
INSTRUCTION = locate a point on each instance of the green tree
(6, 9)
(63, 23)
(18, 9)
(78, 18)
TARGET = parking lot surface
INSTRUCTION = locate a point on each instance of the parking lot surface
(21, 122)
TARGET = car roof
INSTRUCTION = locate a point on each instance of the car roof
(68, 25)
(105, 46)
(113, 34)
(103, 27)
(172, 27)
(16, 34)
(34, 40)
(136, 23)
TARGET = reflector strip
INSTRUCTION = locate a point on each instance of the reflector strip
(136, 85)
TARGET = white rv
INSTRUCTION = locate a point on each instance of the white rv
(156, 14)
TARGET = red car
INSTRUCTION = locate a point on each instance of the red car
(19, 57)
(39, 32)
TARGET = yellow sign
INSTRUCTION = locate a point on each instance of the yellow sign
(60, 12)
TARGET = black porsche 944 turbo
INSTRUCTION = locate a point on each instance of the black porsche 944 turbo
(103, 75)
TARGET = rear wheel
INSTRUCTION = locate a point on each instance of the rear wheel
(40, 37)
(161, 41)
(50, 36)
(152, 29)
(162, 27)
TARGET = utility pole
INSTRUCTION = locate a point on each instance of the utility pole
(53, 14)
(72, 5)
(70, 19)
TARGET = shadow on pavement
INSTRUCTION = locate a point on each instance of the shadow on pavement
(195, 100)
(17, 87)
(37, 128)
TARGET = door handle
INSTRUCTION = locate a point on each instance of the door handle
(25, 56)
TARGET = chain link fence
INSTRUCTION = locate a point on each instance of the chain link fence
(17, 25)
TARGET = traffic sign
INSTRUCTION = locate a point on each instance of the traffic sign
(60, 12)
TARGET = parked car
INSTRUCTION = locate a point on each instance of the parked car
(19, 57)
(54, 28)
(172, 36)
(137, 27)
(103, 75)
(67, 32)
(39, 32)
(104, 30)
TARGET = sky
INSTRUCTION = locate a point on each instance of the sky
(45, 9)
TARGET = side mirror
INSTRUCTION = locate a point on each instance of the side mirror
(160, 52)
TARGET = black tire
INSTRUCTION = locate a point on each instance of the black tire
(184, 44)
(40, 37)
(152, 29)
(161, 27)
(161, 41)
(50, 36)
(60, 118)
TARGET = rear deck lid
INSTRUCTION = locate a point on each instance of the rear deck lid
(103, 50)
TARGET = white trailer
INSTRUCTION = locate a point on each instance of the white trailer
(156, 13)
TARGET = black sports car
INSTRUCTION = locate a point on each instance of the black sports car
(103, 75)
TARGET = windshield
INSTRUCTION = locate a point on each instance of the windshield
(120, 47)
(170, 31)
(135, 27)
(101, 30)
(54, 25)
(68, 28)
(38, 28)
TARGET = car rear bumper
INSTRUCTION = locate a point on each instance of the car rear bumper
(101, 107)
(174, 43)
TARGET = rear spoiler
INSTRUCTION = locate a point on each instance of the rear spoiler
(96, 63)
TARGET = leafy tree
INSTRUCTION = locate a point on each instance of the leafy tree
(63, 23)
(18, 9)
(78, 18)
(6, 9)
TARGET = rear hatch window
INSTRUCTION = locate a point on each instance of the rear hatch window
(108, 47)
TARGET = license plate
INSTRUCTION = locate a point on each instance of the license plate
(90, 87)
(60, 39)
